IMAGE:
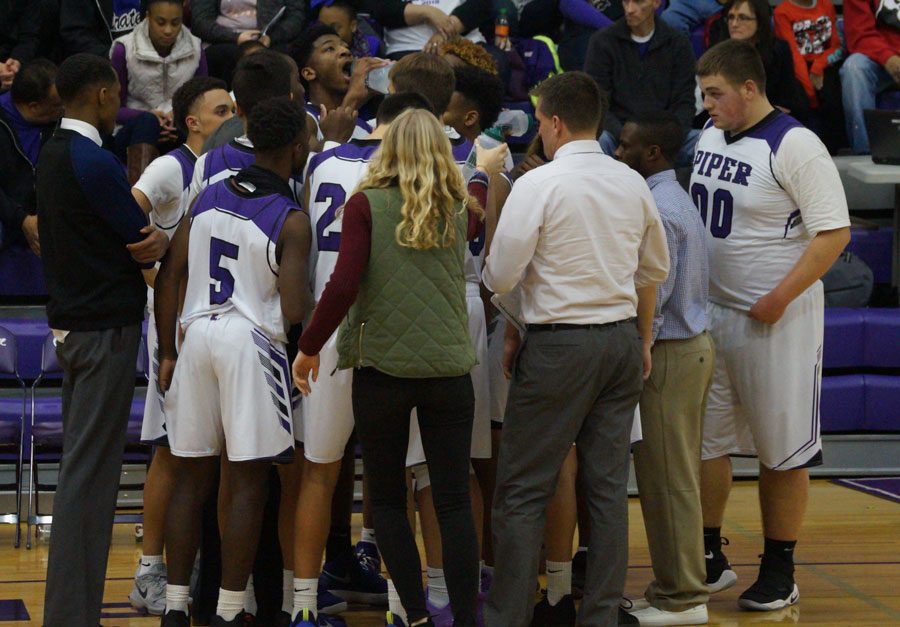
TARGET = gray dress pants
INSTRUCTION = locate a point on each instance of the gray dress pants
(570, 385)
(98, 387)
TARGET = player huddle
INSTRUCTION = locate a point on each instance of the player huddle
(261, 242)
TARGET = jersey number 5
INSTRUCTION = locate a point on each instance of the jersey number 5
(722, 209)
(328, 238)
(221, 285)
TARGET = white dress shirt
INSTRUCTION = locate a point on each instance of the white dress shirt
(580, 234)
(82, 128)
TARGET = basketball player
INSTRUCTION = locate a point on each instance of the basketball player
(777, 219)
(199, 107)
(243, 252)
(330, 75)
(327, 415)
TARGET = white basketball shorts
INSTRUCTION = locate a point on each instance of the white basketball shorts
(764, 396)
(231, 392)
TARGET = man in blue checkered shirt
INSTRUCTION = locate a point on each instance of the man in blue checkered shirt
(667, 462)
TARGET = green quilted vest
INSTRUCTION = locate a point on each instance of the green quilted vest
(409, 319)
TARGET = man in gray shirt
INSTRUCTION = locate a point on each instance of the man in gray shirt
(667, 462)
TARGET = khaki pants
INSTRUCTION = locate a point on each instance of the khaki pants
(667, 464)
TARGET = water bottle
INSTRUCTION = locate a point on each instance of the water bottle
(512, 123)
(377, 79)
(489, 139)
(501, 31)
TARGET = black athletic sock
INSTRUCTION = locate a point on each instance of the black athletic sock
(338, 544)
(712, 539)
(780, 554)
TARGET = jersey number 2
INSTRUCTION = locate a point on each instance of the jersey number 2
(722, 209)
(221, 285)
(326, 238)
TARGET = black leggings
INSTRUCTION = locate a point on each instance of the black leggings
(445, 407)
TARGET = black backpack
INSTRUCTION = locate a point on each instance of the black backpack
(848, 283)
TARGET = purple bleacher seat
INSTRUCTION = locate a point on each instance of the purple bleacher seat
(21, 273)
(30, 334)
(843, 405)
(881, 343)
(10, 418)
(888, 99)
(882, 403)
(873, 246)
(48, 428)
(843, 346)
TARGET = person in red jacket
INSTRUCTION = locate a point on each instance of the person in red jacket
(810, 29)
(872, 29)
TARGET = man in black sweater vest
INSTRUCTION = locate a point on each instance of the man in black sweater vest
(94, 240)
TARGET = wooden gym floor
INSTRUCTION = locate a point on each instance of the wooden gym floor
(848, 570)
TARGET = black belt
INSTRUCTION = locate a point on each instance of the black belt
(561, 326)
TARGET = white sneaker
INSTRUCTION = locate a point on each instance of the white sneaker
(633, 605)
(653, 616)
(149, 590)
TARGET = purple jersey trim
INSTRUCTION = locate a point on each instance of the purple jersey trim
(354, 150)
(231, 156)
(267, 212)
(186, 159)
(775, 130)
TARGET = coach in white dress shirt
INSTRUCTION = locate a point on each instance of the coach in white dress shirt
(581, 237)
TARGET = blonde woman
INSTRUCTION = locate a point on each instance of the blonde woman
(399, 281)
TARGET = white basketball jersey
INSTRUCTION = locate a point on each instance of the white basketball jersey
(762, 194)
(333, 175)
(231, 257)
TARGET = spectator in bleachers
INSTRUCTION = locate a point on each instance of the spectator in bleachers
(20, 20)
(28, 113)
(643, 63)
(529, 18)
(686, 15)
(224, 24)
(751, 20)
(810, 29)
(341, 15)
(92, 26)
(872, 29)
(421, 25)
(582, 19)
(152, 62)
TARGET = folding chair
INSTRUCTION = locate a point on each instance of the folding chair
(12, 423)
(47, 436)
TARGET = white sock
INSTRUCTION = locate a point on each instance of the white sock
(368, 535)
(437, 588)
(287, 591)
(394, 604)
(148, 561)
(559, 580)
(230, 604)
(177, 598)
(305, 591)
(249, 599)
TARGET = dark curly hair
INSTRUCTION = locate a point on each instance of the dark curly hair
(276, 123)
(302, 49)
(484, 90)
(187, 95)
(81, 72)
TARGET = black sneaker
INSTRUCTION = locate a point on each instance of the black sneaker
(562, 614)
(774, 589)
(579, 570)
(719, 575)
(175, 618)
(238, 621)
(627, 619)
